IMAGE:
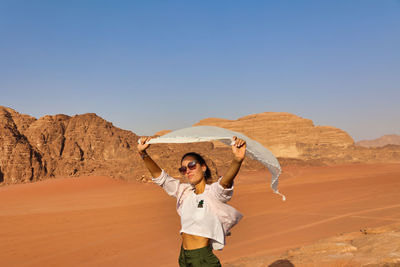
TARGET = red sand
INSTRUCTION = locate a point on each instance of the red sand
(98, 221)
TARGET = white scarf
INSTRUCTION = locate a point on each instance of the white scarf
(209, 133)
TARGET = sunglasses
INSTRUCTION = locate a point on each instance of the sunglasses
(191, 166)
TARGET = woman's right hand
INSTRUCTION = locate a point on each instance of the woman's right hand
(142, 146)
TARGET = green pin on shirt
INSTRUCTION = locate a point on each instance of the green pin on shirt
(200, 204)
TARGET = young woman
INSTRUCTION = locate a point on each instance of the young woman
(205, 217)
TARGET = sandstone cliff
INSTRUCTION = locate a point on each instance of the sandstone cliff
(82, 144)
(19, 161)
(32, 149)
(295, 140)
(285, 135)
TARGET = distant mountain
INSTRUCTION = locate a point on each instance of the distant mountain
(385, 140)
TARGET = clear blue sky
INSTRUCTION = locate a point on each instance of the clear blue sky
(152, 65)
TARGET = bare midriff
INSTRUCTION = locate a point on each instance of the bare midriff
(194, 241)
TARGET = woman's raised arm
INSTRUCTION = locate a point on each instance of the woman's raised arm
(153, 168)
(239, 152)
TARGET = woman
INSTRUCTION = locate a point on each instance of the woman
(205, 217)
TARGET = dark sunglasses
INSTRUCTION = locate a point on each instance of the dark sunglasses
(191, 166)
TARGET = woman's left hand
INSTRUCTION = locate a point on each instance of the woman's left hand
(239, 149)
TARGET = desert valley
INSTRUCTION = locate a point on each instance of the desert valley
(74, 192)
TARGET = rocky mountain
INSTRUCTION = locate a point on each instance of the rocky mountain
(59, 145)
(385, 140)
(284, 134)
(32, 149)
(295, 140)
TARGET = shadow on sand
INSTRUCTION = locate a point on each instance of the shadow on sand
(281, 263)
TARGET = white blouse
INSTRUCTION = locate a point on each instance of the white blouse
(205, 214)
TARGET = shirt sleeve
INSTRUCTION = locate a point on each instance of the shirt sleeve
(222, 194)
(168, 183)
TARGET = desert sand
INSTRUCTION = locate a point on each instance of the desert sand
(100, 221)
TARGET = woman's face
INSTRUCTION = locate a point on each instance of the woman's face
(196, 175)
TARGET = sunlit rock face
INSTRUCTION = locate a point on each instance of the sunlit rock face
(32, 149)
(81, 145)
(284, 134)
(295, 140)
(19, 160)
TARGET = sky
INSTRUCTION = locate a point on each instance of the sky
(150, 65)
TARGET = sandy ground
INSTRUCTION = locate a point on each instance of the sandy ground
(98, 221)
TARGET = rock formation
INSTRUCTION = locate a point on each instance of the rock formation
(295, 140)
(19, 161)
(285, 135)
(380, 142)
(59, 145)
(82, 144)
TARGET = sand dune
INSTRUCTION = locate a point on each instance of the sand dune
(99, 221)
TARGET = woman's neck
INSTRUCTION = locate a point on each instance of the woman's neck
(200, 187)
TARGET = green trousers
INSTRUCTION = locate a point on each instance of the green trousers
(201, 257)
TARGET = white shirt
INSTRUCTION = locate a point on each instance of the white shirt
(205, 214)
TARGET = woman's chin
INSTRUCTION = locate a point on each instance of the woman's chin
(193, 180)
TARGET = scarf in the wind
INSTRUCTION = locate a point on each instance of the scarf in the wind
(209, 133)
